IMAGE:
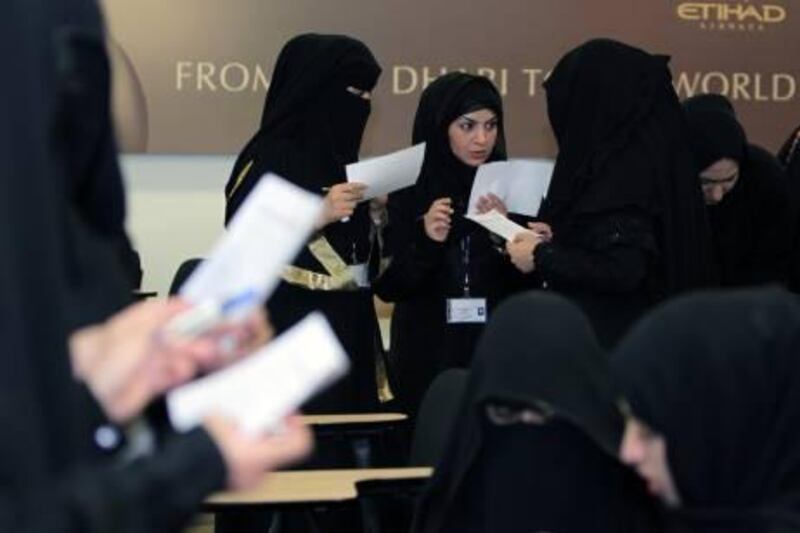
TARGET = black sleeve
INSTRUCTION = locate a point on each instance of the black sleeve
(414, 257)
(154, 495)
(611, 256)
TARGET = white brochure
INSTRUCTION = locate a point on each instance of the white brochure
(267, 232)
(499, 224)
(388, 173)
(519, 183)
(259, 391)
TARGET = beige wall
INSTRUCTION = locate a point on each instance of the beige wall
(175, 210)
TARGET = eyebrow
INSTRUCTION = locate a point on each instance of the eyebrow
(473, 121)
(723, 180)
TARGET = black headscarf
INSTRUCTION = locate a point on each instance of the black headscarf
(622, 145)
(561, 476)
(311, 126)
(442, 102)
(715, 132)
(716, 375)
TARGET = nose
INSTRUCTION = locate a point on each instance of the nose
(717, 193)
(481, 136)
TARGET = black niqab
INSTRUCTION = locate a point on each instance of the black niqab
(310, 113)
(561, 476)
(716, 374)
(622, 146)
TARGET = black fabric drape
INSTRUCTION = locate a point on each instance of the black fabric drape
(92, 180)
(538, 352)
(716, 375)
(46, 482)
(752, 227)
(623, 167)
(789, 159)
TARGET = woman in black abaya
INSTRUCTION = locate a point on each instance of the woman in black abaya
(313, 120)
(48, 481)
(534, 446)
(714, 427)
(746, 194)
(428, 269)
(623, 224)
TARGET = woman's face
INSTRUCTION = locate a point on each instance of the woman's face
(718, 180)
(645, 451)
(473, 136)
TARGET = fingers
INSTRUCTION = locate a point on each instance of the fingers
(348, 191)
(294, 442)
(489, 202)
(440, 216)
(542, 229)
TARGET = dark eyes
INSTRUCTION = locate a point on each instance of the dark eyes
(467, 126)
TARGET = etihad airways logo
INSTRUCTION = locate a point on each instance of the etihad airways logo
(731, 16)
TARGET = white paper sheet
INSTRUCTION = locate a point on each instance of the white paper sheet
(262, 389)
(267, 232)
(388, 173)
(497, 223)
(520, 183)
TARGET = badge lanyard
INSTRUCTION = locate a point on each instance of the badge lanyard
(465, 262)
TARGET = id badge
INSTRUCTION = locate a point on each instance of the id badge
(360, 274)
(466, 310)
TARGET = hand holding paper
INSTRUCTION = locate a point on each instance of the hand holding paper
(388, 173)
(498, 224)
(246, 263)
(341, 201)
(520, 184)
(258, 392)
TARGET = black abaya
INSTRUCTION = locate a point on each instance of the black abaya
(423, 273)
(626, 212)
(46, 483)
(310, 129)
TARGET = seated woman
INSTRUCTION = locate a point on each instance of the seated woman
(710, 383)
(440, 260)
(746, 193)
(623, 224)
(533, 447)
